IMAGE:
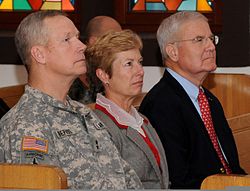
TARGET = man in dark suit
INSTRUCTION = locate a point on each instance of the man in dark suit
(196, 145)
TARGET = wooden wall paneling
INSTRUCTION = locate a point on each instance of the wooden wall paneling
(233, 91)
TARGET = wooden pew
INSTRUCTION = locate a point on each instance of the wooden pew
(28, 176)
(11, 94)
(233, 91)
(221, 181)
(240, 126)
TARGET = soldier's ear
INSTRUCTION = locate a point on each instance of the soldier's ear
(37, 52)
(172, 52)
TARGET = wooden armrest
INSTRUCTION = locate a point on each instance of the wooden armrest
(221, 181)
(28, 176)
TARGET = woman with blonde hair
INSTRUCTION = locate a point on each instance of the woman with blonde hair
(116, 74)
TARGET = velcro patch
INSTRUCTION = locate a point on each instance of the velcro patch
(34, 154)
(63, 133)
(34, 144)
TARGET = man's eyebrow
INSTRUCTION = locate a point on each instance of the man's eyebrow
(72, 33)
(66, 33)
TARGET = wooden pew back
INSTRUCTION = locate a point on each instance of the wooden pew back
(233, 91)
(11, 94)
(221, 181)
(240, 126)
(28, 176)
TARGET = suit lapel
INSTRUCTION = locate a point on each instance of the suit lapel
(179, 90)
(135, 137)
(153, 162)
(156, 141)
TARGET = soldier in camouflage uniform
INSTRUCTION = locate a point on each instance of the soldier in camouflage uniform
(46, 126)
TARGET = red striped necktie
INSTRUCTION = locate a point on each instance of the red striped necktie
(208, 122)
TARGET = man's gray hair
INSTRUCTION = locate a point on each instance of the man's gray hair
(30, 32)
(170, 27)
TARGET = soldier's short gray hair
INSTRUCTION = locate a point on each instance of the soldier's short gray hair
(31, 31)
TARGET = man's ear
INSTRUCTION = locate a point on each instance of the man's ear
(37, 52)
(102, 75)
(172, 52)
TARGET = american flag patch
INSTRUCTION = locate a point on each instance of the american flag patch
(35, 144)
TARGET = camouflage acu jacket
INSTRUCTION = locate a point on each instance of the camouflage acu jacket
(42, 130)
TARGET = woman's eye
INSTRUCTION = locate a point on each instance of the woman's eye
(128, 64)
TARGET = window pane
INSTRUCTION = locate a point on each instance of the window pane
(170, 5)
(34, 5)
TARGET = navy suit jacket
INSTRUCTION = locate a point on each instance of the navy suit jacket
(189, 151)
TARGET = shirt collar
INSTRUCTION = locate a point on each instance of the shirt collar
(71, 106)
(189, 87)
(132, 119)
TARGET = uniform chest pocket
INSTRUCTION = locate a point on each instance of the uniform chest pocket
(72, 142)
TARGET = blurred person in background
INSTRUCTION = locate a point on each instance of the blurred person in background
(96, 27)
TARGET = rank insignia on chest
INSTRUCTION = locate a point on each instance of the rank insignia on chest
(34, 144)
(99, 125)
